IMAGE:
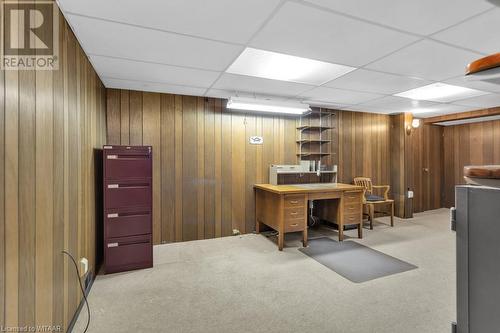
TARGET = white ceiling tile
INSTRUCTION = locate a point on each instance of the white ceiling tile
(241, 83)
(152, 87)
(421, 17)
(226, 94)
(227, 20)
(428, 60)
(324, 104)
(479, 33)
(124, 41)
(376, 82)
(439, 110)
(369, 109)
(485, 101)
(338, 96)
(489, 85)
(141, 71)
(308, 32)
(396, 104)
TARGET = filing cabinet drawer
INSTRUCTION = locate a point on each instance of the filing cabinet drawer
(353, 218)
(130, 222)
(351, 208)
(127, 193)
(127, 165)
(352, 197)
(294, 213)
(295, 225)
(128, 253)
(294, 201)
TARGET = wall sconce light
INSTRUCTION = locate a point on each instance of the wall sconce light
(411, 123)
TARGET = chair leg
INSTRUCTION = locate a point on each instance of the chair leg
(371, 212)
(392, 214)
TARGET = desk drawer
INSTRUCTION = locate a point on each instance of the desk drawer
(352, 197)
(294, 201)
(294, 213)
(295, 225)
(352, 218)
(353, 207)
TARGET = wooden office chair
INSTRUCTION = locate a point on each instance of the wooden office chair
(371, 200)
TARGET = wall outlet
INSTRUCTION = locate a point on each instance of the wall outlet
(84, 266)
(410, 194)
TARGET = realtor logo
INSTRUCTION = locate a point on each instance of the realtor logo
(29, 35)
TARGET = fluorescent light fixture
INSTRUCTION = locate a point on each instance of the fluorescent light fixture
(440, 92)
(261, 105)
(283, 67)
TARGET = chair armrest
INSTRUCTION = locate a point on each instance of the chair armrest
(386, 191)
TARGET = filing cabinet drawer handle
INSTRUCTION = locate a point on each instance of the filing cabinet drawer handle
(112, 157)
(113, 186)
(112, 244)
(111, 216)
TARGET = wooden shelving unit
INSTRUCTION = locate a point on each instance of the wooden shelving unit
(315, 138)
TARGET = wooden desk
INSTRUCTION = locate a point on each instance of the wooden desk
(284, 207)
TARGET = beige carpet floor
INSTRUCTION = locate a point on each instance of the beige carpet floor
(244, 284)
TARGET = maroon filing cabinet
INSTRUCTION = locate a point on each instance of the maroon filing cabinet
(127, 192)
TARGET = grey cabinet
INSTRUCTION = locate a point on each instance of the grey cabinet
(477, 221)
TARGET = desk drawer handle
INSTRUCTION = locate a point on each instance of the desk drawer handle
(294, 202)
(352, 197)
(294, 225)
(351, 218)
(293, 213)
(350, 208)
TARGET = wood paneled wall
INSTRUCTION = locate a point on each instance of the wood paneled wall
(204, 167)
(424, 167)
(416, 165)
(49, 123)
(364, 147)
(468, 144)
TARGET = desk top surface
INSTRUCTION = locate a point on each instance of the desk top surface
(308, 188)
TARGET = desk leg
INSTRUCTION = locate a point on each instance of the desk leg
(304, 237)
(341, 231)
(281, 240)
(360, 229)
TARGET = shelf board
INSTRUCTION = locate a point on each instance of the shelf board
(313, 141)
(313, 154)
(318, 113)
(321, 128)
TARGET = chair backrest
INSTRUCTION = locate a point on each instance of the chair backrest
(365, 182)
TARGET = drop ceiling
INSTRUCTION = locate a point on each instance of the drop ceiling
(188, 46)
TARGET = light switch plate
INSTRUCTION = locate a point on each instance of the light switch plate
(410, 194)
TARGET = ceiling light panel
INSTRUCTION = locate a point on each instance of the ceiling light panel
(260, 105)
(440, 92)
(283, 67)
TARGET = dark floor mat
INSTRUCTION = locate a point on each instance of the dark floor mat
(355, 262)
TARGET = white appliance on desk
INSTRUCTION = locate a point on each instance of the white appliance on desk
(299, 169)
